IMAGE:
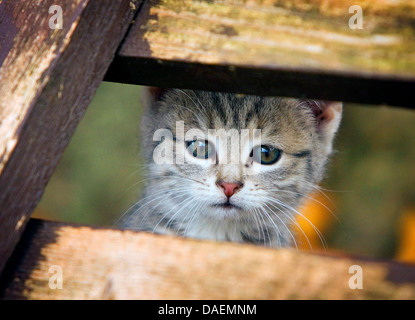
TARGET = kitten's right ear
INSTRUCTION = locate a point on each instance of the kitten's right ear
(327, 116)
(151, 95)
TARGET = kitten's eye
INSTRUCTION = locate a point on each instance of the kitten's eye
(201, 149)
(266, 155)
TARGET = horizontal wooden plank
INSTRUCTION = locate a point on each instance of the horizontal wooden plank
(119, 264)
(274, 47)
(48, 76)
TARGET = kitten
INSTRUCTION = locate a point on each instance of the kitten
(209, 186)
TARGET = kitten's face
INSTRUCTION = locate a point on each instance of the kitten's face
(239, 172)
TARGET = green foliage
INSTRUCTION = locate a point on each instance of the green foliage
(92, 182)
(374, 174)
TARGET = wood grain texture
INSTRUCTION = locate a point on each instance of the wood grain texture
(117, 264)
(47, 79)
(274, 47)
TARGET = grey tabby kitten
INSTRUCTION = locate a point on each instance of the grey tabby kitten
(253, 195)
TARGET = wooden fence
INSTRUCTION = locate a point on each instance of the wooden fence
(49, 75)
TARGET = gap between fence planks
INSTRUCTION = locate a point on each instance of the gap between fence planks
(274, 47)
(47, 79)
(119, 264)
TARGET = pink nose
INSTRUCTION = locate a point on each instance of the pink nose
(230, 188)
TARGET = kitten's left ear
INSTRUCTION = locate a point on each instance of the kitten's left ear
(151, 95)
(327, 115)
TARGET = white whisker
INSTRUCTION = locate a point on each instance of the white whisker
(319, 234)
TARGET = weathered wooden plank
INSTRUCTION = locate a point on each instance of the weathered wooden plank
(119, 264)
(47, 78)
(274, 47)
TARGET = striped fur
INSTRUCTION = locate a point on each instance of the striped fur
(184, 198)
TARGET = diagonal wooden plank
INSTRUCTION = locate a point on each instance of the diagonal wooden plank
(120, 264)
(47, 79)
(274, 47)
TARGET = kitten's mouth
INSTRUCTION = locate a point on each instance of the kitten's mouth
(227, 205)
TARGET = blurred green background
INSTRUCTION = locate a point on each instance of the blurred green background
(371, 175)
